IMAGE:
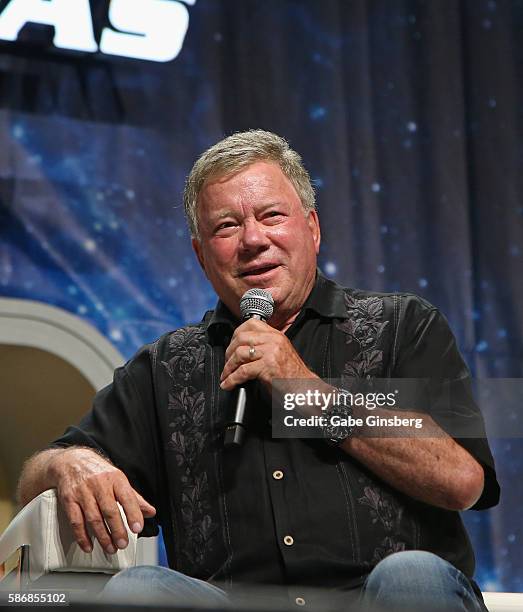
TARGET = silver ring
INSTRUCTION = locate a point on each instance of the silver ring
(252, 351)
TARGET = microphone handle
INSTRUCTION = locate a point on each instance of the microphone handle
(235, 430)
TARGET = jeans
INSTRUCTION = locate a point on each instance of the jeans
(150, 584)
(414, 581)
(419, 581)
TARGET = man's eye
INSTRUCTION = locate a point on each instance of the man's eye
(225, 225)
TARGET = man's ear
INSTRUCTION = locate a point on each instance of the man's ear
(314, 225)
(197, 248)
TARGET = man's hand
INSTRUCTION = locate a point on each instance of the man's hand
(258, 351)
(88, 487)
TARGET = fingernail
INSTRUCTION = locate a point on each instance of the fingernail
(88, 548)
(136, 527)
(111, 549)
(121, 543)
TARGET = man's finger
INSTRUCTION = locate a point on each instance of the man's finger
(244, 354)
(127, 497)
(111, 514)
(236, 342)
(252, 331)
(147, 509)
(247, 371)
(77, 521)
(96, 524)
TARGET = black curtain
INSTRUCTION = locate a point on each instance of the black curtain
(407, 113)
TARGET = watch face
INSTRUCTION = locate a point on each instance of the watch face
(338, 426)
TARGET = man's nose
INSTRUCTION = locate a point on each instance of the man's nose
(254, 235)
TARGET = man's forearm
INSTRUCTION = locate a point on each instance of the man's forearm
(430, 467)
(35, 476)
(433, 469)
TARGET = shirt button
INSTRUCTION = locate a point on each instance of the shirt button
(277, 474)
(288, 540)
(300, 601)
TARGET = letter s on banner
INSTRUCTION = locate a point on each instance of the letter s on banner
(149, 29)
(71, 19)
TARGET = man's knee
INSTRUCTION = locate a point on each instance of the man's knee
(411, 568)
(418, 580)
(140, 572)
(153, 584)
(136, 582)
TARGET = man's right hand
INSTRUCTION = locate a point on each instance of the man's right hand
(88, 487)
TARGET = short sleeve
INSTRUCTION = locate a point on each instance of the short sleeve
(120, 425)
(427, 349)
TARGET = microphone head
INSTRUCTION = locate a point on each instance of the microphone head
(257, 303)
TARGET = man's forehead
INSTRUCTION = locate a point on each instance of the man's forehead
(218, 211)
(258, 171)
(257, 178)
(261, 185)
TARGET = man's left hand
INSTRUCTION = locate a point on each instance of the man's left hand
(258, 351)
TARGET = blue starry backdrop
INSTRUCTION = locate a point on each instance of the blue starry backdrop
(408, 115)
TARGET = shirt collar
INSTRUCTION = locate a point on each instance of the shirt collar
(327, 299)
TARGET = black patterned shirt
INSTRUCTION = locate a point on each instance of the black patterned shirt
(279, 511)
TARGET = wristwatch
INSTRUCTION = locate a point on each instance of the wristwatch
(335, 433)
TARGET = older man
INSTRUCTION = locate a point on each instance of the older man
(372, 518)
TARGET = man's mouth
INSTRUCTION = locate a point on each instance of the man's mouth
(258, 270)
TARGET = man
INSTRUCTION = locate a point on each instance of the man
(372, 518)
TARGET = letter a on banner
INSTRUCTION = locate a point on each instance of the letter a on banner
(148, 29)
(71, 20)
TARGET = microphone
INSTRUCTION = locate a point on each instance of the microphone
(255, 304)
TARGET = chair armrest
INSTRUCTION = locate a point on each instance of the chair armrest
(503, 602)
(43, 527)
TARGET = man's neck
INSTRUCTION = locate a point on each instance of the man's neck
(283, 322)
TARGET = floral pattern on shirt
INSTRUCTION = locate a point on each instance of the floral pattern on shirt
(364, 328)
(383, 509)
(188, 440)
(388, 547)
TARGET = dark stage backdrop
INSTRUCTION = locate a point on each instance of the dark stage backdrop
(408, 115)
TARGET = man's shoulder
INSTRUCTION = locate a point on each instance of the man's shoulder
(403, 303)
(182, 338)
(185, 339)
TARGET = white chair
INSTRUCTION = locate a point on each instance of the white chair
(504, 602)
(39, 541)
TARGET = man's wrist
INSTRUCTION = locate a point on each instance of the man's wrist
(339, 419)
(60, 461)
(51, 467)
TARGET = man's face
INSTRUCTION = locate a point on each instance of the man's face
(254, 233)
